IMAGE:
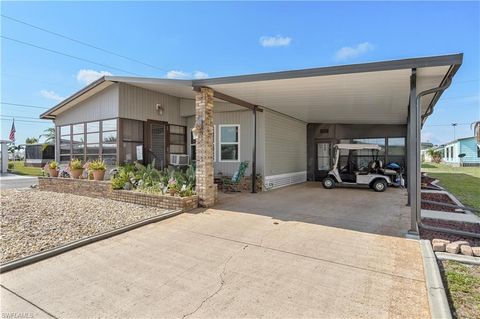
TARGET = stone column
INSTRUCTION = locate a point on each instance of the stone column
(204, 147)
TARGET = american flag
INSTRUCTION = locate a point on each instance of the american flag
(12, 132)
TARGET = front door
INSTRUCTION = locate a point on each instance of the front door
(324, 159)
(157, 143)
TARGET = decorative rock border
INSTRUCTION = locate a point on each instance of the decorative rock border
(102, 189)
(455, 247)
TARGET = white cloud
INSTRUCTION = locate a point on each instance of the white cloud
(85, 76)
(346, 53)
(276, 41)
(200, 75)
(51, 95)
(177, 75)
(181, 75)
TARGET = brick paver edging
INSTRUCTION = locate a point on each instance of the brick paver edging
(103, 189)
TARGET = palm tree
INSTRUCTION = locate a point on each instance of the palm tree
(31, 140)
(49, 135)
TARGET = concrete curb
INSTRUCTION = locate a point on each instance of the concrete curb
(437, 297)
(82, 242)
(471, 260)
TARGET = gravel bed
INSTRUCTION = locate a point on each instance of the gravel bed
(442, 198)
(34, 220)
(470, 227)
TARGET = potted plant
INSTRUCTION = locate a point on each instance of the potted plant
(172, 186)
(53, 169)
(98, 167)
(76, 168)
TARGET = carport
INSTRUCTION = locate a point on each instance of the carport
(400, 92)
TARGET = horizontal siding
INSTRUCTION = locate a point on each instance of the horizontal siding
(285, 144)
(139, 104)
(103, 105)
(245, 120)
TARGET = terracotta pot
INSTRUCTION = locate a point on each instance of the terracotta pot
(76, 173)
(172, 192)
(98, 175)
(53, 172)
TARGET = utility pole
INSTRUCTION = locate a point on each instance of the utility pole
(454, 126)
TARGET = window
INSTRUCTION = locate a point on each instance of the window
(89, 141)
(109, 141)
(229, 143)
(178, 139)
(132, 139)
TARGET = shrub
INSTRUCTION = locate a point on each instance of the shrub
(149, 180)
(10, 165)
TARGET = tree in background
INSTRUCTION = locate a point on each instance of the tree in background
(476, 131)
(31, 140)
(435, 155)
(49, 135)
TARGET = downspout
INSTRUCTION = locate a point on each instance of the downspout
(254, 152)
(420, 118)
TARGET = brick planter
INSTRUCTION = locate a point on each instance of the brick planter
(102, 189)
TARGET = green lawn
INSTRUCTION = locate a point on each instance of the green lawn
(462, 182)
(463, 286)
(21, 169)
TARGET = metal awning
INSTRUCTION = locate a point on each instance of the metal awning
(368, 93)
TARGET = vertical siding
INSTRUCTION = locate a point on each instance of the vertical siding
(245, 120)
(103, 105)
(285, 144)
(139, 104)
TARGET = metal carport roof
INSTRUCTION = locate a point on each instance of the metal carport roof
(370, 93)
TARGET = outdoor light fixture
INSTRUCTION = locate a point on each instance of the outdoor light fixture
(159, 108)
(198, 128)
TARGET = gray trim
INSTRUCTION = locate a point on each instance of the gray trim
(437, 298)
(144, 80)
(432, 61)
(447, 80)
(46, 115)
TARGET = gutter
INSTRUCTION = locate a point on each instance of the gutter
(438, 91)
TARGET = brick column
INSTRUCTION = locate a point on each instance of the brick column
(204, 148)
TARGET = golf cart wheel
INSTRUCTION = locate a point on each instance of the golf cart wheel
(379, 185)
(328, 183)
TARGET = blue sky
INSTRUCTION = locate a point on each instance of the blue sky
(216, 39)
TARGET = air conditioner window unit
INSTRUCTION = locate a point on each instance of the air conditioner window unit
(179, 159)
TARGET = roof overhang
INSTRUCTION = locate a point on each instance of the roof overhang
(368, 93)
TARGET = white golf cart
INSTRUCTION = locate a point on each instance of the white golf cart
(361, 166)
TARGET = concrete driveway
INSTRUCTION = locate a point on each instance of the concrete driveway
(17, 181)
(300, 251)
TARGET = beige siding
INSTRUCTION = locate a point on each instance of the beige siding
(103, 105)
(285, 144)
(187, 107)
(139, 104)
(245, 120)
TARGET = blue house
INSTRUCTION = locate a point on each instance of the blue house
(468, 146)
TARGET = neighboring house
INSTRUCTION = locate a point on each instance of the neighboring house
(284, 123)
(468, 146)
(39, 154)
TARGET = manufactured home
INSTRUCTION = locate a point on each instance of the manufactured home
(284, 123)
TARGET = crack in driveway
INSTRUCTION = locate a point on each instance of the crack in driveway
(222, 284)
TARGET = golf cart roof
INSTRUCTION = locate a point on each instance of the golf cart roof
(358, 146)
